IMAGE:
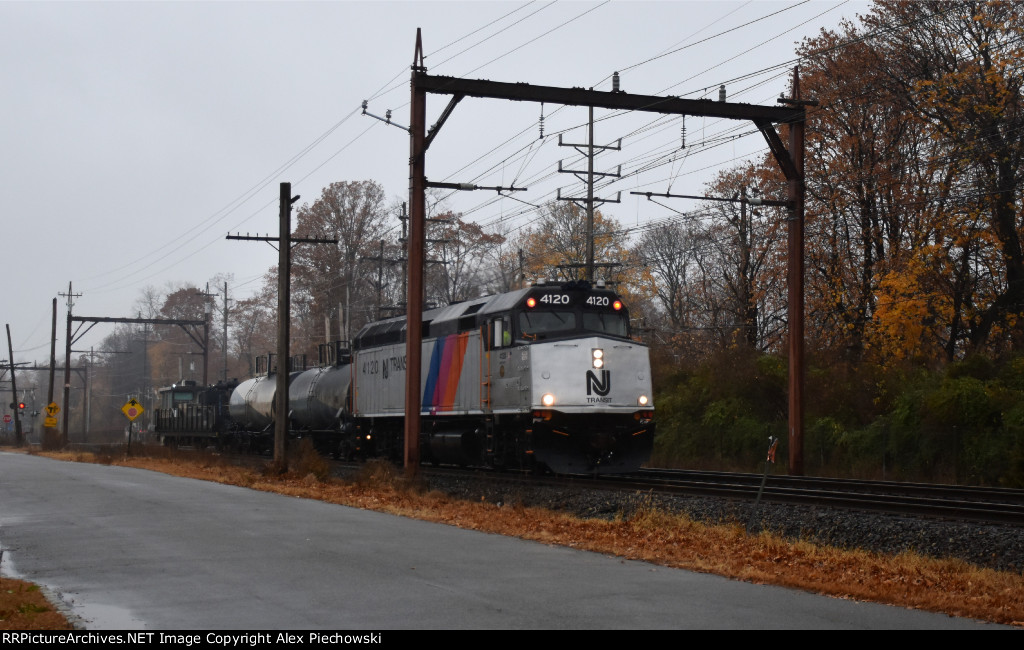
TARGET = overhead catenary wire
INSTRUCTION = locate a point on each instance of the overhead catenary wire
(530, 158)
(301, 153)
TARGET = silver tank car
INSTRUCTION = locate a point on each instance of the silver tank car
(318, 398)
(252, 403)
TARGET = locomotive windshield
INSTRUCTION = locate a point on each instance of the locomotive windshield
(613, 324)
(542, 324)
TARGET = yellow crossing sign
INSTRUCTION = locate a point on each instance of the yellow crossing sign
(132, 409)
(52, 409)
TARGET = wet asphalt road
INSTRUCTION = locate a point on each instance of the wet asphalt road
(132, 549)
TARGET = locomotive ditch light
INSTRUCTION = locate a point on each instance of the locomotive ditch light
(597, 356)
(642, 400)
(548, 399)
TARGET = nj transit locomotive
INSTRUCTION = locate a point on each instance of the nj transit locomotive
(545, 376)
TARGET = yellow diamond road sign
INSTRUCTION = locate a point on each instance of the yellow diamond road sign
(132, 409)
(52, 409)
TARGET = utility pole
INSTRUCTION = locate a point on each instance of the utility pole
(225, 318)
(206, 333)
(67, 366)
(744, 233)
(284, 272)
(405, 246)
(53, 363)
(145, 364)
(590, 174)
(284, 313)
(18, 439)
(380, 259)
(405, 249)
(88, 392)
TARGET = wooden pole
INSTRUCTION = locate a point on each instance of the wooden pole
(18, 439)
(284, 268)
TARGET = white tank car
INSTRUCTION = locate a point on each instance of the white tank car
(252, 405)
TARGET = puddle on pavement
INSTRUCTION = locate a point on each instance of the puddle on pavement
(106, 617)
(82, 615)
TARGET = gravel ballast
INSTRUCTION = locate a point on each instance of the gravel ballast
(993, 546)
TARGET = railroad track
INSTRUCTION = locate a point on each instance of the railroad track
(976, 504)
(956, 503)
(1002, 506)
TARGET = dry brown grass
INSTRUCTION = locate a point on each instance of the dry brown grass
(24, 607)
(906, 580)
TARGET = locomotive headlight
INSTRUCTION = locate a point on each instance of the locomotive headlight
(597, 355)
(642, 400)
(548, 399)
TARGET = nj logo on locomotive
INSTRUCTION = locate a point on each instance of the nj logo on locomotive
(601, 386)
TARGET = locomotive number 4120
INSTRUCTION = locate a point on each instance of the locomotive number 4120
(555, 298)
(600, 301)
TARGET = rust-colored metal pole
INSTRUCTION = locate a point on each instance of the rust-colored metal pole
(795, 195)
(417, 243)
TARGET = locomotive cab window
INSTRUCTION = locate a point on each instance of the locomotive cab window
(536, 325)
(614, 324)
(501, 329)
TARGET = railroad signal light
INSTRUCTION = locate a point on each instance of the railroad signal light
(21, 406)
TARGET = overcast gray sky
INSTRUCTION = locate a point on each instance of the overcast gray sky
(136, 135)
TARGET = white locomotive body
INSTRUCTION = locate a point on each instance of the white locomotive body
(546, 375)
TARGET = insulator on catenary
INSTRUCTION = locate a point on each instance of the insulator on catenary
(682, 133)
(721, 93)
(615, 82)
